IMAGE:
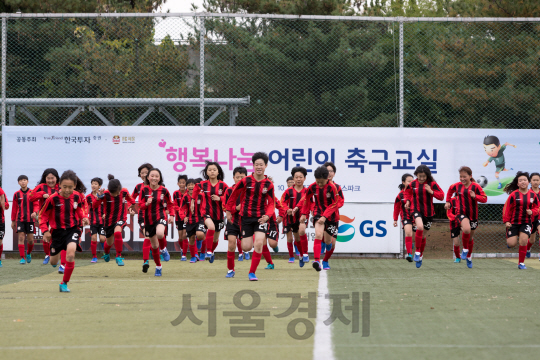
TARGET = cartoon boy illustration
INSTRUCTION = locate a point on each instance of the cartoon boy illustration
(493, 147)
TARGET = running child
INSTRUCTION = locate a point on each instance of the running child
(142, 173)
(256, 192)
(419, 198)
(59, 220)
(193, 220)
(232, 229)
(213, 188)
(180, 226)
(96, 218)
(155, 201)
(331, 174)
(4, 205)
(21, 219)
(407, 221)
(535, 188)
(290, 182)
(468, 194)
(455, 227)
(518, 211)
(114, 201)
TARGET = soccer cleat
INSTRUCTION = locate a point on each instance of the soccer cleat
(464, 255)
(145, 266)
(252, 277)
(269, 267)
(94, 260)
(53, 265)
(165, 254)
(301, 262)
(469, 263)
(500, 186)
(409, 258)
(22, 262)
(183, 258)
(528, 254)
(46, 260)
(325, 265)
(0, 263)
(193, 259)
(522, 267)
(119, 261)
(158, 272)
(211, 258)
(64, 288)
(106, 257)
(61, 269)
(202, 256)
(161, 257)
(276, 249)
(246, 255)
(305, 258)
(416, 257)
(291, 260)
(29, 258)
(457, 260)
(181, 253)
(241, 257)
(296, 252)
(418, 264)
(230, 274)
(317, 266)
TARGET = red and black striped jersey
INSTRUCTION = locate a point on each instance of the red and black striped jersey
(114, 207)
(161, 203)
(236, 218)
(37, 195)
(95, 214)
(399, 207)
(135, 194)
(60, 212)
(256, 197)
(341, 200)
(22, 206)
(326, 201)
(535, 218)
(177, 200)
(452, 214)
(197, 215)
(466, 205)
(282, 211)
(290, 199)
(421, 200)
(213, 208)
(516, 206)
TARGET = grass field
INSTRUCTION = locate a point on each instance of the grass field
(441, 310)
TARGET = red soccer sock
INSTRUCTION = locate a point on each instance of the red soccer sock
(290, 247)
(155, 254)
(93, 248)
(214, 245)
(465, 240)
(63, 258)
(239, 246)
(193, 250)
(185, 244)
(21, 250)
(328, 254)
(408, 244)
(146, 246)
(424, 241)
(106, 248)
(1, 250)
(299, 247)
(118, 243)
(203, 247)
(418, 240)
(317, 249)
(456, 252)
(266, 254)
(209, 240)
(522, 254)
(230, 260)
(529, 245)
(304, 242)
(30, 248)
(471, 244)
(68, 270)
(162, 243)
(255, 260)
(47, 248)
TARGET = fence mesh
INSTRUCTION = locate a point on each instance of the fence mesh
(296, 72)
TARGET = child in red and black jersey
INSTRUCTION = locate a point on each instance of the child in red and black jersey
(331, 173)
(60, 220)
(419, 198)
(467, 196)
(324, 196)
(115, 200)
(47, 186)
(519, 210)
(180, 226)
(159, 210)
(4, 205)
(143, 173)
(291, 224)
(257, 194)
(535, 188)
(96, 218)
(232, 230)
(407, 222)
(455, 226)
(272, 233)
(193, 219)
(21, 219)
(213, 188)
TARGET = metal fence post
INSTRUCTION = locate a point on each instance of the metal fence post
(4, 50)
(401, 99)
(201, 71)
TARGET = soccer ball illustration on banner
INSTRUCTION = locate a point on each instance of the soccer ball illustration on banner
(482, 181)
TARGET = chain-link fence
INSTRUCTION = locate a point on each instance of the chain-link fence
(147, 69)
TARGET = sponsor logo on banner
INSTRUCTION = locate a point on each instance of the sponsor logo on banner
(116, 139)
(346, 231)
